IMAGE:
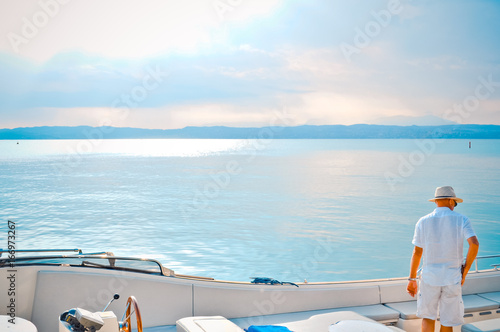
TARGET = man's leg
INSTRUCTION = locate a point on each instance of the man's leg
(451, 307)
(446, 328)
(427, 305)
(428, 325)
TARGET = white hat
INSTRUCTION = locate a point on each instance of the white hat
(445, 192)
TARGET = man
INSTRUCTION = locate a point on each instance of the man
(439, 238)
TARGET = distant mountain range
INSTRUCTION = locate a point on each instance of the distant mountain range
(401, 120)
(298, 132)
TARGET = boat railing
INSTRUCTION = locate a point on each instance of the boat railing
(495, 266)
(134, 264)
(476, 264)
(41, 250)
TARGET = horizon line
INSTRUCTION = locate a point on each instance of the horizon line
(255, 127)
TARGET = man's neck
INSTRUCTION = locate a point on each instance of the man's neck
(445, 203)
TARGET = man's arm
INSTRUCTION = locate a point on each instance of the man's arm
(471, 255)
(412, 287)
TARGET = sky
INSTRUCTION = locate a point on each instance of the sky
(248, 63)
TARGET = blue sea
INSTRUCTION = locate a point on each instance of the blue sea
(293, 210)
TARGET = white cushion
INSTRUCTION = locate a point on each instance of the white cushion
(357, 325)
(376, 312)
(472, 303)
(407, 310)
(475, 303)
(494, 296)
(206, 324)
(322, 322)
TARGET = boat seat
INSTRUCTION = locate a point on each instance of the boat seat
(377, 312)
(319, 320)
(493, 296)
(322, 322)
(472, 303)
(206, 324)
(490, 325)
(478, 303)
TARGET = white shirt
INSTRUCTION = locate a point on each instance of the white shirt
(441, 234)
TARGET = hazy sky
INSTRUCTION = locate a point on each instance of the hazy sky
(171, 64)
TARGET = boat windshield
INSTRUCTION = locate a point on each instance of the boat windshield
(103, 260)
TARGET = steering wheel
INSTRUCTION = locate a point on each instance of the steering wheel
(125, 325)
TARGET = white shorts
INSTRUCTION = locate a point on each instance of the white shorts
(445, 299)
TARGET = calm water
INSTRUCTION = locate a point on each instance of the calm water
(321, 210)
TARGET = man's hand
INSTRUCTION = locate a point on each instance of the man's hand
(471, 256)
(412, 287)
(463, 275)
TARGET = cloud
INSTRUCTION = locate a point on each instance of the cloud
(80, 80)
(439, 63)
(120, 29)
(236, 66)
